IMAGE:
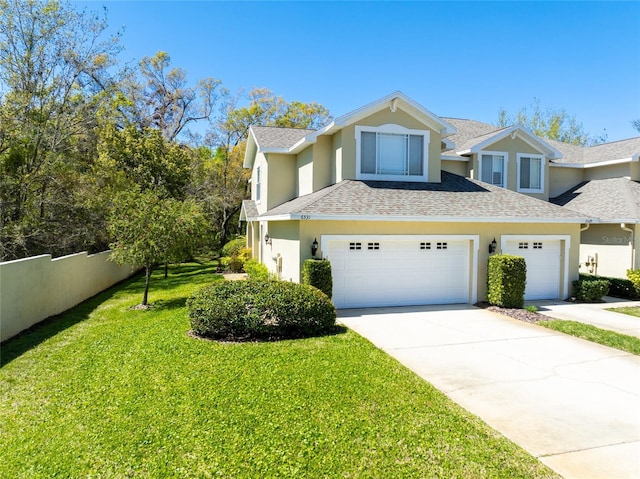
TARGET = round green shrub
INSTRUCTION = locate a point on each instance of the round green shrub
(241, 310)
(234, 247)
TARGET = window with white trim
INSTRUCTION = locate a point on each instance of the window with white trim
(257, 185)
(530, 173)
(391, 152)
(493, 167)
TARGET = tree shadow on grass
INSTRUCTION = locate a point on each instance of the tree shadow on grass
(28, 339)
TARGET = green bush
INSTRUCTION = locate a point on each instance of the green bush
(618, 287)
(257, 271)
(507, 278)
(235, 262)
(242, 310)
(317, 273)
(233, 247)
(634, 277)
(591, 290)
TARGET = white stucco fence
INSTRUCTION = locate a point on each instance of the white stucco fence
(32, 289)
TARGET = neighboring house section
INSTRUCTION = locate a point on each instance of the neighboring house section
(406, 205)
(602, 181)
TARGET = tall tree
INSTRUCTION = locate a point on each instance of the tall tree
(222, 180)
(148, 230)
(53, 73)
(555, 124)
(159, 96)
(144, 160)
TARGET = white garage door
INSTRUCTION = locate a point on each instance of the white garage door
(388, 271)
(543, 266)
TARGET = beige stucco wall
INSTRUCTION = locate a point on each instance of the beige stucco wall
(634, 170)
(384, 117)
(282, 256)
(612, 247)
(304, 163)
(310, 229)
(609, 171)
(563, 179)
(33, 289)
(512, 147)
(281, 179)
(455, 167)
(322, 152)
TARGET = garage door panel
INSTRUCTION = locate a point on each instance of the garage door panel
(399, 272)
(543, 260)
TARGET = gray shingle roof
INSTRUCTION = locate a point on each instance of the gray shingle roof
(615, 150)
(469, 132)
(275, 137)
(456, 197)
(250, 209)
(609, 199)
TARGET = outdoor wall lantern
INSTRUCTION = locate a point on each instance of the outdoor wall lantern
(314, 247)
(267, 240)
(493, 246)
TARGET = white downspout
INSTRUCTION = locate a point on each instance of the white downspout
(633, 249)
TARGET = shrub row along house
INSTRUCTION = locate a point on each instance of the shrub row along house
(407, 206)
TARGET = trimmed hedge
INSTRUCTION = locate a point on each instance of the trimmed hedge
(507, 278)
(243, 310)
(590, 290)
(634, 277)
(618, 287)
(317, 273)
(234, 247)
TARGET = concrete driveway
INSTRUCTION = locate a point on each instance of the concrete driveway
(573, 404)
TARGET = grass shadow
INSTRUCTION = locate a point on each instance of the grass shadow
(31, 337)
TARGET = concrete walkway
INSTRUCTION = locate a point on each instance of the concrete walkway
(594, 314)
(573, 404)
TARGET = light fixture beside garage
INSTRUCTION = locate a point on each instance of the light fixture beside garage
(493, 246)
(314, 247)
(267, 240)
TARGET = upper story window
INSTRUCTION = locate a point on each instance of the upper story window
(391, 152)
(530, 173)
(257, 185)
(493, 166)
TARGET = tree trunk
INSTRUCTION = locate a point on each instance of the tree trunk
(166, 270)
(146, 284)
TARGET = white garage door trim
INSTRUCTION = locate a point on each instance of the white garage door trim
(564, 281)
(473, 240)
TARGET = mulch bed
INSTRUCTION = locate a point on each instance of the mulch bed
(521, 314)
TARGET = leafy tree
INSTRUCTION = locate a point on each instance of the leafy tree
(53, 75)
(149, 230)
(143, 158)
(555, 124)
(221, 181)
(159, 97)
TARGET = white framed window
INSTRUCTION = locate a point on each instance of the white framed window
(493, 167)
(257, 184)
(530, 173)
(391, 152)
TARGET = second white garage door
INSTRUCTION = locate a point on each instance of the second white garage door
(543, 260)
(398, 271)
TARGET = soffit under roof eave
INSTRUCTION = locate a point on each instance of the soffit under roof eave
(422, 219)
(250, 151)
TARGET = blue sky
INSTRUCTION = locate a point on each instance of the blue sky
(458, 59)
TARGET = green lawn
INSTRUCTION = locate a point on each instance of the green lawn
(631, 310)
(591, 333)
(104, 391)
